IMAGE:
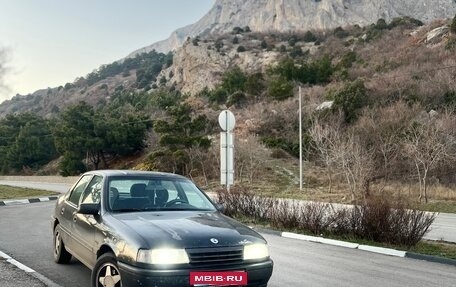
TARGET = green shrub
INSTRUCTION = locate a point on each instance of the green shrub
(236, 99)
(406, 22)
(218, 45)
(312, 72)
(309, 37)
(71, 165)
(238, 30)
(254, 84)
(339, 32)
(234, 80)
(449, 99)
(451, 44)
(350, 99)
(218, 96)
(241, 49)
(281, 143)
(381, 24)
(292, 40)
(347, 60)
(297, 52)
(195, 41)
(264, 44)
(280, 89)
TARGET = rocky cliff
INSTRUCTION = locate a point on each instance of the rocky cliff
(302, 15)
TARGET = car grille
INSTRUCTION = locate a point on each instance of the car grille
(213, 257)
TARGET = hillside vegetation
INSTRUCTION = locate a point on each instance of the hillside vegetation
(389, 88)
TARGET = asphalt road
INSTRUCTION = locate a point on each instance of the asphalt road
(443, 228)
(25, 234)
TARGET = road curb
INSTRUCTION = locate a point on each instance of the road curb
(382, 250)
(430, 258)
(27, 201)
(46, 281)
(367, 248)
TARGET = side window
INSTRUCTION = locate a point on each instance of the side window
(172, 190)
(79, 188)
(93, 190)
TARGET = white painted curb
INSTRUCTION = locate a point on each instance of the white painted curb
(339, 243)
(299, 236)
(27, 201)
(320, 240)
(16, 202)
(382, 250)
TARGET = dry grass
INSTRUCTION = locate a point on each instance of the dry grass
(11, 192)
(282, 181)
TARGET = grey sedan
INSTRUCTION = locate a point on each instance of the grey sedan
(154, 229)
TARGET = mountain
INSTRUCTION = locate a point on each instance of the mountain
(199, 65)
(301, 15)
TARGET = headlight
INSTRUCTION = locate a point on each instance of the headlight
(255, 251)
(163, 256)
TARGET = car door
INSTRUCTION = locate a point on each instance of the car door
(84, 225)
(67, 211)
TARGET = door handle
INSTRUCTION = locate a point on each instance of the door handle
(75, 218)
(62, 211)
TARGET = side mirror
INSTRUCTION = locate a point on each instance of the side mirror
(220, 207)
(89, 208)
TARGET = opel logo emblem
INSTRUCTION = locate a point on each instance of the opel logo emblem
(214, 240)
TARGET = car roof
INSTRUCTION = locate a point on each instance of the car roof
(119, 173)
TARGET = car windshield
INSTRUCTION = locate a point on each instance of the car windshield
(128, 194)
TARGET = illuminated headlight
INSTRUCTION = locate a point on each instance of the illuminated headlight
(255, 251)
(163, 256)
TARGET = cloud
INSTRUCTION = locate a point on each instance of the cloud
(4, 70)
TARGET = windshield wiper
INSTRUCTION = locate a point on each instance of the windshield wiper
(128, 210)
(182, 209)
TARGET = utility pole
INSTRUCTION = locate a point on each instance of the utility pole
(300, 139)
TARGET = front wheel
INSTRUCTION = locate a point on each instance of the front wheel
(61, 255)
(106, 273)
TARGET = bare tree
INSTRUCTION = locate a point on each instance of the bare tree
(325, 139)
(343, 150)
(382, 129)
(428, 143)
(247, 158)
(202, 162)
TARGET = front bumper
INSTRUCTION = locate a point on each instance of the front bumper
(258, 275)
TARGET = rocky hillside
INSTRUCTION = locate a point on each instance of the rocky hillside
(301, 15)
(201, 62)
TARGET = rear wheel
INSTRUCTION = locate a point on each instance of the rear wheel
(106, 272)
(61, 255)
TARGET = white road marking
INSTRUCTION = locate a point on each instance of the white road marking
(28, 270)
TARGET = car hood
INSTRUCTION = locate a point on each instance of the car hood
(187, 229)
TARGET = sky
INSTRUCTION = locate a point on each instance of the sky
(51, 42)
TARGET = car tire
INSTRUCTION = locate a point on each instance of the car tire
(106, 272)
(61, 255)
